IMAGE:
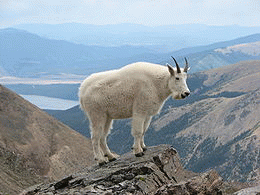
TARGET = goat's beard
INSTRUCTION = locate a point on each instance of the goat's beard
(176, 96)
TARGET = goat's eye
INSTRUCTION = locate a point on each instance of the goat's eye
(177, 78)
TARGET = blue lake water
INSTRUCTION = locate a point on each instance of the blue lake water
(49, 103)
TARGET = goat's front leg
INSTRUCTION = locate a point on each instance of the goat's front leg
(137, 132)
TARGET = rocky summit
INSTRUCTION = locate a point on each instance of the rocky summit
(158, 172)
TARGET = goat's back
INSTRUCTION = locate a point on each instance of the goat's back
(116, 89)
(136, 70)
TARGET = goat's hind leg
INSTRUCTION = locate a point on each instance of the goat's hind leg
(97, 128)
(137, 132)
(145, 127)
(103, 142)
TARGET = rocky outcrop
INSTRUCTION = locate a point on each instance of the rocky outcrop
(158, 172)
(249, 191)
(207, 183)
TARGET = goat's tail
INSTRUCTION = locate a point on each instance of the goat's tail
(81, 104)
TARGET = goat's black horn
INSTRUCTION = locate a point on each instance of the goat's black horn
(177, 66)
(186, 68)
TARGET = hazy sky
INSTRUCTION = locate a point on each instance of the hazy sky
(146, 12)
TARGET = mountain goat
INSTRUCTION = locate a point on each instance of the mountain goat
(136, 91)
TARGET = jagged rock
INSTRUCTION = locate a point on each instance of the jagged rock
(249, 191)
(207, 183)
(159, 172)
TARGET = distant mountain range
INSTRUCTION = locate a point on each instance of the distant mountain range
(216, 127)
(200, 58)
(28, 55)
(23, 54)
(159, 38)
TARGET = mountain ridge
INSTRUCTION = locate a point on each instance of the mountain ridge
(182, 36)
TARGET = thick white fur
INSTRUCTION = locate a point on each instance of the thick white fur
(136, 91)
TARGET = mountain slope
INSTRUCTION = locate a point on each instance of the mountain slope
(221, 54)
(252, 49)
(240, 40)
(34, 146)
(14, 176)
(216, 127)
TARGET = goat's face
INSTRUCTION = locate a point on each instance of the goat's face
(177, 82)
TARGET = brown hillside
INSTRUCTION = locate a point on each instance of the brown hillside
(242, 77)
(33, 145)
(252, 49)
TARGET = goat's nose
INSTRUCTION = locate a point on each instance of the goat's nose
(187, 93)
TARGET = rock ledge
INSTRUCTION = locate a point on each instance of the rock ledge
(158, 172)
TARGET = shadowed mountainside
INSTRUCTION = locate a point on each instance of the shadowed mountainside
(34, 146)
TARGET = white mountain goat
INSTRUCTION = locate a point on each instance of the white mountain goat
(136, 91)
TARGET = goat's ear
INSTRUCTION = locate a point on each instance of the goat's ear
(170, 69)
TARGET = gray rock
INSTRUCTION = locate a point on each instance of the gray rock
(249, 191)
(159, 171)
(207, 183)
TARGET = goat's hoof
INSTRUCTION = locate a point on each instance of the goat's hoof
(144, 149)
(102, 163)
(111, 160)
(140, 154)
